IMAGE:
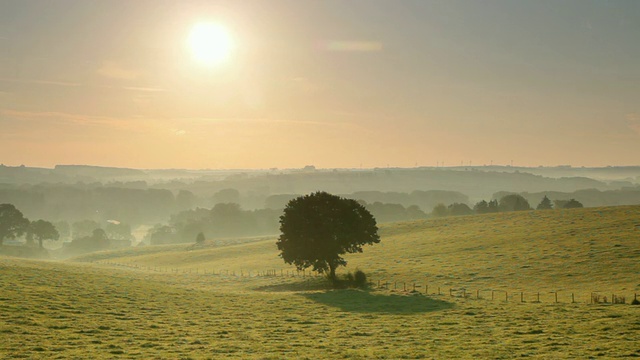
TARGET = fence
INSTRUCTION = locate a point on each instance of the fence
(595, 297)
(213, 271)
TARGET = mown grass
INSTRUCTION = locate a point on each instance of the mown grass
(89, 310)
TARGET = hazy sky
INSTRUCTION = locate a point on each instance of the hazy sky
(329, 83)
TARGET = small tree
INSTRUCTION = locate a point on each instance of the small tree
(573, 204)
(492, 206)
(459, 209)
(439, 210)
(317, 229)
(200, 238)
(12, 222)
(514, 202)
(545, 204)
(481, 207)
(41, 230)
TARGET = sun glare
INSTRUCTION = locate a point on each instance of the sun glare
(209, 43)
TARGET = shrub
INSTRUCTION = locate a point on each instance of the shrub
(350, 280)
(200, 238)
(360, 279)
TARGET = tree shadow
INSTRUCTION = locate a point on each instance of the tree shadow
(311, 284)
(360, 301)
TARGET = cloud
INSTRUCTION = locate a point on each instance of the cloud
(268, 121)
(73, 119)
(351, 46)
(633, 122)
(75, 84)
(113, 70)
(144, 89)
(39, 82)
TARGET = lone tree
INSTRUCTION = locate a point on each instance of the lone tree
(545, 204)
(42, 230)
(317, 228)
(200, 238)
(12, 222)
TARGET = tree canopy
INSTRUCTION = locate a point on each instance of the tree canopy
(439, 210)
(12, 222)
(514, 202)
(42, 230)
(316, 229)
(545, 204)
(573, 204)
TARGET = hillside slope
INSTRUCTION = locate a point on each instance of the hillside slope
(595, 249)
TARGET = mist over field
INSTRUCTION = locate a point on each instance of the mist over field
(133, 205)
(419, 179)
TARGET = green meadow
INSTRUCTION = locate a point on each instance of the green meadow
(493, 281)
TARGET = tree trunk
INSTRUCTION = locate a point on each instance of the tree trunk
(332, 272)
(41, 247)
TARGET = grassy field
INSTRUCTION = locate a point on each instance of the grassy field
(91, 308)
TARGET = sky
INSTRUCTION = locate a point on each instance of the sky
(334, 84)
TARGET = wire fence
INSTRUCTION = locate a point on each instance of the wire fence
(214, 271)
(594, 297)
(426, 288)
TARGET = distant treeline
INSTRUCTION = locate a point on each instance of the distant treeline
(509, 202)
(96, 202)
(224, 220)
(588, 197)
(230, 220)
(138, 203)
(256, 185)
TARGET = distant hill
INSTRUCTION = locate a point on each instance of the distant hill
(97, 172)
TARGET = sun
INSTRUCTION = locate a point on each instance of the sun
(210, 43)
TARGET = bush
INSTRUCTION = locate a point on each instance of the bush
(200, 238)
(360, 279)
(351, 280)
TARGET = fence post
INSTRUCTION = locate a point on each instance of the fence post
(538, 297)
(573, 300)
(521, 296)
(506, 296)
(477, 294)
(556, 296)
(450, 292)
(492, 294)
